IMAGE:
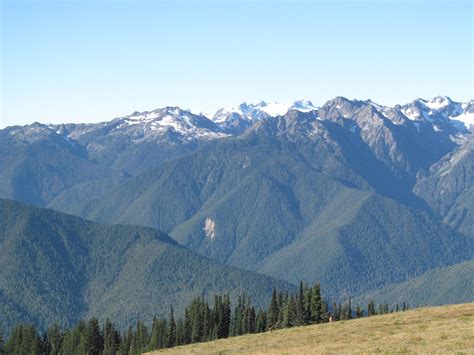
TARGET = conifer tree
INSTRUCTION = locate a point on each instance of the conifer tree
(171, 338)
(281, 300)
(180, 332)
(54, 339)
(212, 333)
(196, 329)
(248, 320)
(226, 316)
(197, 317)
(2, 343)
(280, 323)
(34, 344)
(93, 338)
(237, 318)
(371, 308)
(154, 341)
(380, 309)
(217, 318)
(324, 312)
(142, 335)
(134, 345)
(244, 328)
(188, 325)
(252, 320)
(307, 305)
(348, 310)
(126, 341)
(45, 345)
(261, 322)
(315, 309)
(206, 331)
(162, 333)
(359, 312)
(336, 311)
(13, 341)
(273, 310)
(73, 340)
(111, 339)
(289, 314)
(299, 305)
(23, 340)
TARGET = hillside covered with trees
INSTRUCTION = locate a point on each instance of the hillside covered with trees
(56, 268)
(201, 322)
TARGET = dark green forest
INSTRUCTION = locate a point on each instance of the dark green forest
(201, 322)
(60, 268)
(367, 202)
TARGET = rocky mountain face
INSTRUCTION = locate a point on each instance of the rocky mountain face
(37, 164)
(449, 187)
(352, 193)
(141, 141)
(237, 119)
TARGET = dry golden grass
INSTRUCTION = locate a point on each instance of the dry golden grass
(447, 329)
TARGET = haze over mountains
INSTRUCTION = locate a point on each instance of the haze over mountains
(357, 195)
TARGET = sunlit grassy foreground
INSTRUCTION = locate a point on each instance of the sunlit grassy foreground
(437, 329)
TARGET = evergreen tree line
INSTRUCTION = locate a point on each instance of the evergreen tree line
(200, 323)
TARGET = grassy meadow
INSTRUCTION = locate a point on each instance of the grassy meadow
(445, 329)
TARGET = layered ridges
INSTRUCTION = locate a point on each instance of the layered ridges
(60, 268)
(344, 193)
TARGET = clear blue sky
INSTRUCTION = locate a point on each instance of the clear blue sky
(86, 61)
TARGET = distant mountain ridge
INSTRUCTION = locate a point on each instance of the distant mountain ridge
(354, 194)
(448, 285)
(440, 111)
(237, 119)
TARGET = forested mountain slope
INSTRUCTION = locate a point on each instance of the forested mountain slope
(295, 198)
(56, 267)
(452, 284)
(354, 194)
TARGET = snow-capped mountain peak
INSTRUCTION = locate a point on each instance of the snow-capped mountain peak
(303, 106)
(243, 116)
(438, 102)
(181, 123)
(273, 109)
(446, 117)
(466, 117)
(442, 112)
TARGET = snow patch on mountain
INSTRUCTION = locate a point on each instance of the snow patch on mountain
(210, 228)
(411, 114)
(438, 102)
(241, 117)
(174, 124)
(442, 113)
(274, 108)
(182, 123)
(466, 119)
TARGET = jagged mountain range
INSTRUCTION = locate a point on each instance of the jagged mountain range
(138, 142)
(174, 123)
(357, 195)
